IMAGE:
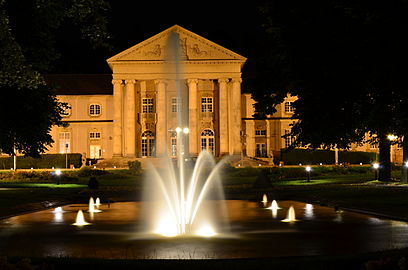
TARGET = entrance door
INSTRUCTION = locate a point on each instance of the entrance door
(95, 152)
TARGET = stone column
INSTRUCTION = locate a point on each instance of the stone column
(161, 125)
(130, 119)
(192, 118)
(223, 116)
(235, 110)
(268, 138)
(250, 137)
(117, 117)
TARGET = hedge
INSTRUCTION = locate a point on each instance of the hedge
(44, 162)
(307, 156)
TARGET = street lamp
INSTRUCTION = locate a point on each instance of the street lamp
(308, 170)
(376, 166)
(58, 174)
(391, 138)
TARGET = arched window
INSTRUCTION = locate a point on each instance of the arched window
(207, 140)
(148, 141)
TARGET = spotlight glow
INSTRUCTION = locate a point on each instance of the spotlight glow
(206, 231)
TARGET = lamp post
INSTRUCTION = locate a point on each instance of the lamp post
(392, 138)
(66, 156)
(58, 174)
(404, 175)
(376, 167)
(308, 170)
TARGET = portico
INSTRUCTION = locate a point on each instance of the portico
(147, 105)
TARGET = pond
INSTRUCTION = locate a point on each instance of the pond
(254, 232)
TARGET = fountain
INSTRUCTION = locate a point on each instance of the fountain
(274, 207)
(91, 208)
(97, 203)
(58, 210)
(291, 217)
(178, 193)
(264, 198)
(80, 220)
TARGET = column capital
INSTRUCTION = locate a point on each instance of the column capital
(160, 81)
(236, 80)
(192, 81)
(130, 81)
(223, 80)
(116, 81)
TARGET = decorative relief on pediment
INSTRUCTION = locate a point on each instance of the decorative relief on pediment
(156, 51)
(193, 47)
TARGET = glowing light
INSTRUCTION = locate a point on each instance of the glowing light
(178, 129)
(376, 165)
(206, 231)
(309, 211)
(97, 202)
(392, 137)
(308, 168)
(91, 208)
(264, 198)
(80, 220)
(274, 206)
(166, 227)
(186, 130)
(58, 172)
(58, 210)
(291, 216)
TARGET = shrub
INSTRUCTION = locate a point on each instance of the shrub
(308, 156)
(93, 183)
(262, 180)
(45, 161)
(135, 167)
(86, 171)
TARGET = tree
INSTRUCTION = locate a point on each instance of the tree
(343, 60)
(28, 33)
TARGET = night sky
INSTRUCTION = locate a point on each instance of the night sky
(236, 27)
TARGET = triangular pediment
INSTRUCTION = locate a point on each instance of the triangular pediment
(194, 47)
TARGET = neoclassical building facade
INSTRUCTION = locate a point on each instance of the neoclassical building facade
(135, 112)
(141, 114)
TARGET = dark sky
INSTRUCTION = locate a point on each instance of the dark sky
(235, 26)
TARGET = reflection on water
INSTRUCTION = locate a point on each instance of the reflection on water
(58, 218)
(116, 233)
(309, 211)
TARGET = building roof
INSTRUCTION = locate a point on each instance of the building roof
(81, 84)
(194, 48)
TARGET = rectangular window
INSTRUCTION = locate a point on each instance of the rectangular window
(289, 140)
(207, 104)
(173, 147)
(147, 105)
(64, 142)
(94, 135)
(260, 150)
(148, 149)
(260, 132)
(289, 107)
(175, 103)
